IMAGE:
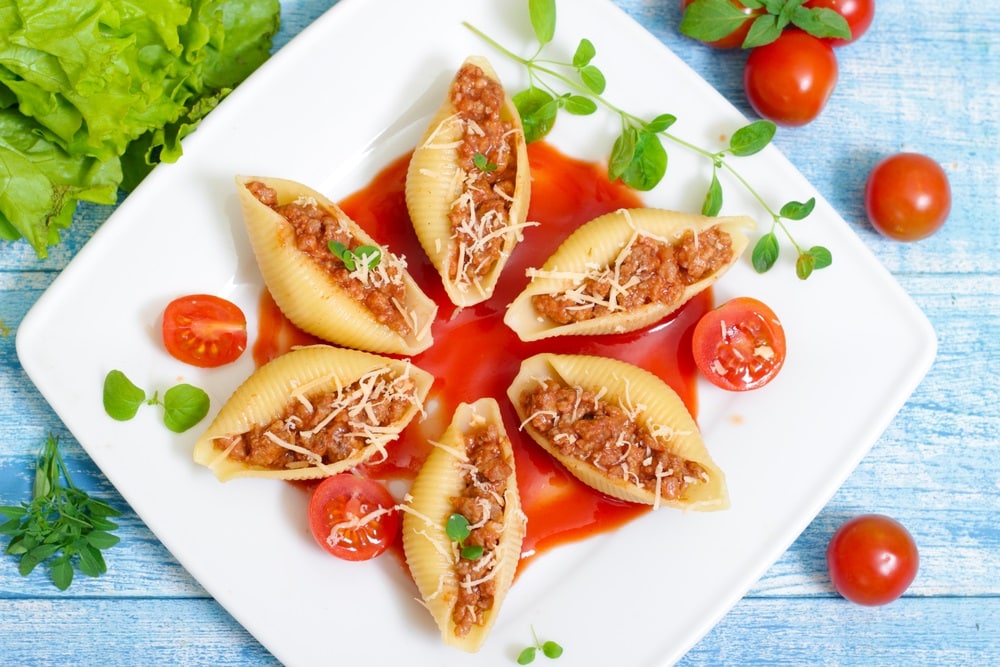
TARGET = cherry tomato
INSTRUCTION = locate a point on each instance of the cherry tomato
(789, 80)
(907, 196)
(354, 518)
(859, 15)
(204, 330)
(735, 38)
(740, 345)
(872, 559)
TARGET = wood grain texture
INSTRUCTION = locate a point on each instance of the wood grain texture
(924, 78)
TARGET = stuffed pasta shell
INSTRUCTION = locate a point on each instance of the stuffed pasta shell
(327, 275)
(619, 429)
(468, 478)
(625, 270)
(311, 413)
(468, 184)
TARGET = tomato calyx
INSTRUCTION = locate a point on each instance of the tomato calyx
(740, 345)
(353, 518)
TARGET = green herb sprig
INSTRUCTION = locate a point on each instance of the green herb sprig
(457, 529)
(184, 405)
(62, 525)
(549, 649)
(367, 256)
(711, 20)
(483, 163)
(638, 156)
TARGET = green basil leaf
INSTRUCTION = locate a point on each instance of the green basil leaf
(752, 138)
(711, 20)
(457, 527)
(184, 406)
(804, 265)
(472, 552)
(764, 30)
(822, 257)
(622, 153)
(765, 253)
(538, 110)
(585, 52)
(713, 198)
(527, 656)
(552, 650)
(821, 22)
(593, 79)
(578, 105)
(648, 165)
(661, 123)
(62, 574)
(543, 19)
(794, 210)
(122, 398)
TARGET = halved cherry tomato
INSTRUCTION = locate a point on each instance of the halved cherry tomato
(354, 518)
(789, 80)
(872, 559)
(857, 13)
(907, 196)
(740, 345)
(204, 330)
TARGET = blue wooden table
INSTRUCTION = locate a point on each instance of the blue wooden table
(926, 78)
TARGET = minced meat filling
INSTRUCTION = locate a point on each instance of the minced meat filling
(381, 290)
(650, 272)
(482, 211)
(482, 503)
(580, 424)
(326, 426)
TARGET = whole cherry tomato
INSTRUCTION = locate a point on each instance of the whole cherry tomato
(872, 559)
(354, 518)
(858, 13)
(740, 345)
(789, 80)
(907, 196)
(735, 38)
(204, 330)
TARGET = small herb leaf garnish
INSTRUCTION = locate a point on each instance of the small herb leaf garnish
(122, 398)
(367, 256)
(184, 405)
(712, 20)
(638, 156)
(62, 525)
(483, 163)
(458, 530)
(549, 649)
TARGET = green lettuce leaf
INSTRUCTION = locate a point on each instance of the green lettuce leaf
(94, 94)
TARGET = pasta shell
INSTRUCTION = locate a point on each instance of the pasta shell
(309, 295)
(433, 559)
(323, 382)
(648, 404)
(601, 247)
(440, 180)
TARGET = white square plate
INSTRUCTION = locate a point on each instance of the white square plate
(349, 94)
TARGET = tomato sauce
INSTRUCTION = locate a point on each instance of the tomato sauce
(475, 354)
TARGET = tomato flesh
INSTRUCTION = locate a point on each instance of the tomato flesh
(740, 345)
(858, 14)
(353, 518)
(872, 559)
(789, 80)
(907, 196)
(204, 330)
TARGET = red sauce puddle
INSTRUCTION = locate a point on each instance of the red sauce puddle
(475, 354)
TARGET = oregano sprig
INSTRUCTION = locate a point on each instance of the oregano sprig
(712, 20)
(61, 525)
(638, 157)
(184, 405)
(549, 649)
